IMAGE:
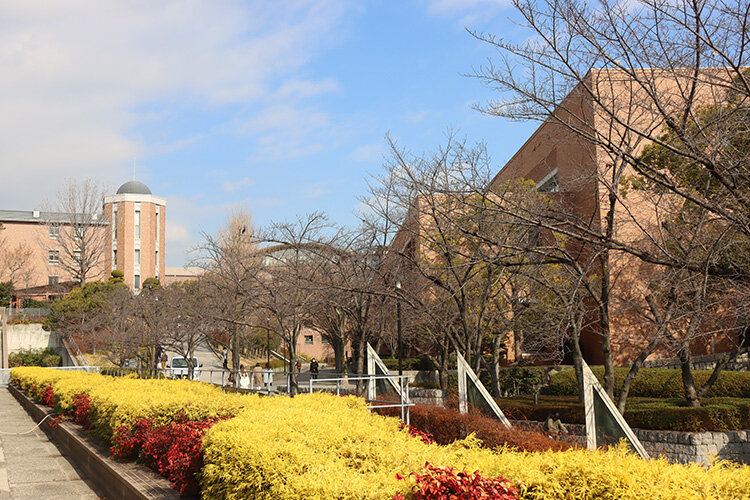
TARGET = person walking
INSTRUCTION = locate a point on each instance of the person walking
(257, 377)
(314, 369)
(268, 377)
(244, 378)
(225, 359)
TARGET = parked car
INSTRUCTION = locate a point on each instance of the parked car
(179, 368)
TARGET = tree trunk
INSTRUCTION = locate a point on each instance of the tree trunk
(578, 362)
(337, 343)
(495, 368)
(235, 342)
(293, 387)
(688, 383)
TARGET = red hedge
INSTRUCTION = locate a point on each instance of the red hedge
(48, 396)
(445, 482)
(447, 425)
(172, 450)
(82, 407)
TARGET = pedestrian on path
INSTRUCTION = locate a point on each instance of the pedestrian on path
(244, 378)
(257, 376)
(314, 369)
(268, 376)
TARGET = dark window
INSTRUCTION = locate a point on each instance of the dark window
(308, 339)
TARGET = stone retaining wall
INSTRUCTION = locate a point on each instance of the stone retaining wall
(678, 447)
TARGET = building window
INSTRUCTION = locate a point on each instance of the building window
(308, 339)
(77, 256)
(53, 280)
(114, 223)
(137, 257)
(157, 225)
(138, 224)
(53, 257)
(54, 232)
(137, 282)
(114, 259)
(324, 340)
(549, 184)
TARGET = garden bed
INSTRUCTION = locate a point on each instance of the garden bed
(324, 446)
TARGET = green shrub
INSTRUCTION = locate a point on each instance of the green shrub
(658, 383)
(409, 364)
(34, 357)
(716, 414)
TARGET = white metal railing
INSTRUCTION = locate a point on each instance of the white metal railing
(27, 313)
(75, 352)
(400, 381)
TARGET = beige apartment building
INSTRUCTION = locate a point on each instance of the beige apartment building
(36, 252)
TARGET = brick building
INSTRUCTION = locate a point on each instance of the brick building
(572, 154)
(36, 253)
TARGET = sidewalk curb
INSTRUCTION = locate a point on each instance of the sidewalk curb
(117, 480)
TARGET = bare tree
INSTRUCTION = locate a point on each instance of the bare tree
(286, 291)
(608, 77)
(189, 321)
(78, 225)
(467, 255)
(232, 263)
(16, 264)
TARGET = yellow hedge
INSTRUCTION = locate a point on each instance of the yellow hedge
(122, 401)
(323, 446)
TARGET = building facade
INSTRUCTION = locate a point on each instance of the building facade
(41, 252)
(137, 228)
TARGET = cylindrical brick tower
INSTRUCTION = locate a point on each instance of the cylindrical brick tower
(137, 233)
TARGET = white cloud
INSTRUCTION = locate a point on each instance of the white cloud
(468, 11)
(177, 233)
(306, 88)
(79, 76)
(239, 185)
(369, 153)
(416, 116)
(317, 190)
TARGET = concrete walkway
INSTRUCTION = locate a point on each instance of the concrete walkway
(31, 467)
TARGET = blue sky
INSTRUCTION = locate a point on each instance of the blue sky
(282, 106)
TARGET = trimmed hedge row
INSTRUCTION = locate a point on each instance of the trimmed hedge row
(716, 414)
(657, 383)
(409, 364)
(34, 357)
(324, 446)
(446, 425)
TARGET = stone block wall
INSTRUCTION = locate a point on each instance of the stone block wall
(677, 447)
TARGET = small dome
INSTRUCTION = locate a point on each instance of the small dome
(134, 187)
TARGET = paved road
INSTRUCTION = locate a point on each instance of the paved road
(31, 467)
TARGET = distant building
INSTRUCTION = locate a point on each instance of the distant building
(132, 222)
(177, 274)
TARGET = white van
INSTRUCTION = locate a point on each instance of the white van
(179, 368)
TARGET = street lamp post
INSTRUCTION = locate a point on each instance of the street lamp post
(398, 329)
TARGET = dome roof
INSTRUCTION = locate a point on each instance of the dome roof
(134, 187)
